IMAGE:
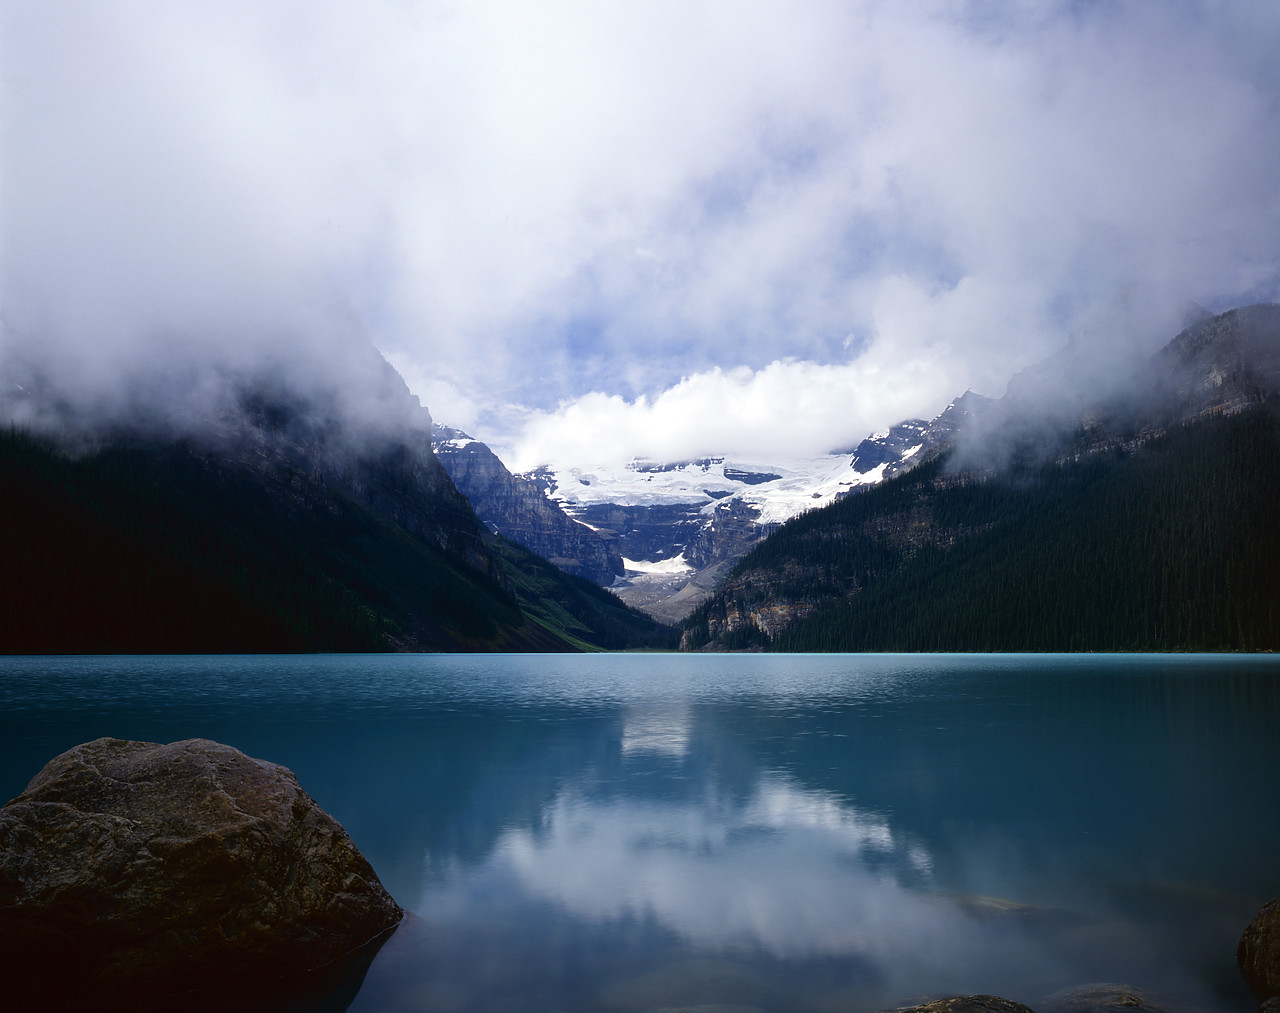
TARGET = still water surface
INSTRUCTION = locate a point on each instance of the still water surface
(785, 833)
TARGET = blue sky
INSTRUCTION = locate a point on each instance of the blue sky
(587, 231)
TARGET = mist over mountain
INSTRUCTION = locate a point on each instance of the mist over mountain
(284, 510)
(632, 231)
(295, 509)
(680, 525)
(1137, 515)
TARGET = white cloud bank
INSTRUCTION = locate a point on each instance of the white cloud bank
(776, 413)
(620, 228)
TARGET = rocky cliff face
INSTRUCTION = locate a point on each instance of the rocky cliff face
(727, 530)
(754, 605)
(1223, 364)
(518, 509)
(646, 531)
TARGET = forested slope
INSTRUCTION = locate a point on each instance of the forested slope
(1173, 545)
(154, 548)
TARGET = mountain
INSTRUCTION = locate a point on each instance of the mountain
(901, 447)
(1138, 520)
(516, 507)
(273, 515)
(680, 526)
(1222, 364)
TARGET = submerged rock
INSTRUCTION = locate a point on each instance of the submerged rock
(1259, 951)
(1105, 997)
(968, 1004)
(142, 869)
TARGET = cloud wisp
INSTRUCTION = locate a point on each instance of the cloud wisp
(651, 229)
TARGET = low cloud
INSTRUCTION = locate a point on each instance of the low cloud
(784, 411)
(689, 221)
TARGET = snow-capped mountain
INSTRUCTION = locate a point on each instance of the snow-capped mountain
(901, 447)
(674, 529)
(678, 525)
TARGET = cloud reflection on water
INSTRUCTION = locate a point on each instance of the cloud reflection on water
(783, 872)
(840, 849)
(791, 872)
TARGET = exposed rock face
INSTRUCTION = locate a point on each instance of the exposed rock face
(1259, 951)
(518, 509)
(158, 869)
(730, 528)
(901, 447)
(646, 531)
(969, 1004)
(1224, 363)
(760, 603)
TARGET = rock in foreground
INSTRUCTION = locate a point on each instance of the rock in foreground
(1259, 951)
(149, 869)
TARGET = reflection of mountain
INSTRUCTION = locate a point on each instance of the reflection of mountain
(915, 764)
(662, 730)
(671, 835)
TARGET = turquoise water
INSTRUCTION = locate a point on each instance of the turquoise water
(789, 833)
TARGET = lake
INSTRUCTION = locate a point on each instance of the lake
(785, 833)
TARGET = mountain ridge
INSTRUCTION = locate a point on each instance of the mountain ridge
(825, 570)
(274, 519)
(678, 526)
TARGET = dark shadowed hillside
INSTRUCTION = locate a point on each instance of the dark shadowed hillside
(1175, 548)
(1148, 526)
(278, 529)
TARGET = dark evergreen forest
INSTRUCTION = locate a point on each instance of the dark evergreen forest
(138, 548)
(1174, 545)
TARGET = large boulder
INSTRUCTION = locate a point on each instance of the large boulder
(1259, 951)
(141, 869)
